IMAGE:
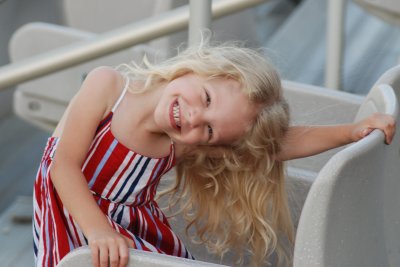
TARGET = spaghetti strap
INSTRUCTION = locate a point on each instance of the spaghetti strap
(121, 96)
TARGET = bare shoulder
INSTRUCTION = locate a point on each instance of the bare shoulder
(102, 86)
(104, 82)
(97, 94)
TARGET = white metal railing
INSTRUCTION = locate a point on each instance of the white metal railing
(385, 9)
(110, 42)
(200, 18)
(334, 43)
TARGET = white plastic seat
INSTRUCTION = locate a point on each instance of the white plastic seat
(99, 16)
(351, 215)
(313, 105)
(43, 101)
(82, 257)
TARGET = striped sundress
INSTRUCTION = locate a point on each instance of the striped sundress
(122, 182)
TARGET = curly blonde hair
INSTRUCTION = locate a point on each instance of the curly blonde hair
(235, 195)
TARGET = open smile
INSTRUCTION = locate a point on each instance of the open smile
(175, 115)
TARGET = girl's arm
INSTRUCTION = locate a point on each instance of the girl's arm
(304, 141)
(85, 111)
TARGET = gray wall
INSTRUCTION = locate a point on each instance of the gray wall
(13, 14)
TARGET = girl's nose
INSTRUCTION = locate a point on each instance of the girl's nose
(195, 118)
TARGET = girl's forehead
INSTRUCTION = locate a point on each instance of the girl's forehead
(225, 81)
(234, 112)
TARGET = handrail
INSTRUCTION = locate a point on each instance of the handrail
(110, 42)
(200, 18)
(334, 43)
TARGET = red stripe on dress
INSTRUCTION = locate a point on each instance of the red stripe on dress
(108, 170)
(144, 225)
(96, 141)
(121, 174)
(60, 238)
(71, 229)
(153, 187)
(93, 160)
(104, 126)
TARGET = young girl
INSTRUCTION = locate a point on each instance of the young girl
(218, 115)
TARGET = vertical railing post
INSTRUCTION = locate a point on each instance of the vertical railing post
(334, 43)
(200, 19)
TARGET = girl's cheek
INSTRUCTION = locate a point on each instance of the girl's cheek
(192, 139)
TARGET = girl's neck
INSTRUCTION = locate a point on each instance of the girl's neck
(146, 103)
(134, 124)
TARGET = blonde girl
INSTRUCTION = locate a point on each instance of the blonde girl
(217, 113)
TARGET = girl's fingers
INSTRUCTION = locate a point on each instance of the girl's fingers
(384, 122)
(95, 256)
(113, 256)
(389, 134)
(110, 249)
(123, 254)
(129, 242)
(388, 128)
(366, 132)
(103, 256)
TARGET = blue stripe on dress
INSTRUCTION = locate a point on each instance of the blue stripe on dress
(156, 174)
(158, 171)
(127, 179)
(139, 197)
(36, 232)
(43, 169)
(136, 181)
(70, 243)
(35, 250)
(159, 235)
(120, 215)
(138, 244)
(103, 162)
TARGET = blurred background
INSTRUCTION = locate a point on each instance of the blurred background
(293, 33)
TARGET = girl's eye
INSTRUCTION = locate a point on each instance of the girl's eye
(210, 131)
(208, 99)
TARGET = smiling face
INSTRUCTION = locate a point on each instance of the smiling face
(195, 110)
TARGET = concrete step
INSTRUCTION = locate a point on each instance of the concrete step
(21, 147)
(16, 249)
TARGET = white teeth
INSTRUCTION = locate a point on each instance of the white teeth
(176, 114)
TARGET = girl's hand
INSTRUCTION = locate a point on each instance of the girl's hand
(384, 122)
(109, 248)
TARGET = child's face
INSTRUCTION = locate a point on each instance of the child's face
(194, 110)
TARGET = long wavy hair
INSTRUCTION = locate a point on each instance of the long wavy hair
(234, 195)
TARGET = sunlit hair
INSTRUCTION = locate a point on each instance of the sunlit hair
(234, 195)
